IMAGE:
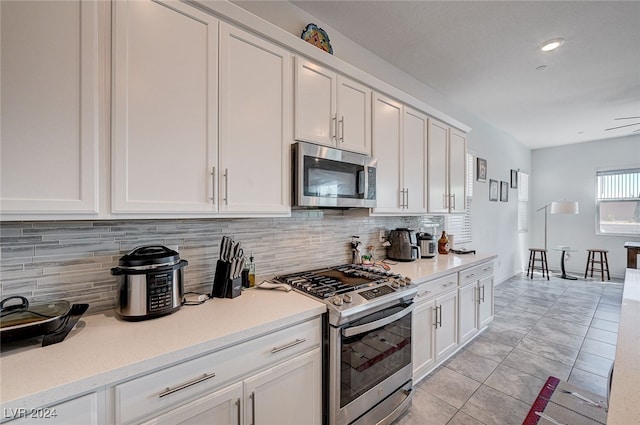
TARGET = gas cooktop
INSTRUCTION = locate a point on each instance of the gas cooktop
(351, 289)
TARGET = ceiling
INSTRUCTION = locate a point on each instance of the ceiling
(484, 57)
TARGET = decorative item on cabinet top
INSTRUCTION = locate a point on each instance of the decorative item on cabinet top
(315, 35)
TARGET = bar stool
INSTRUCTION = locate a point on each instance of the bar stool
(603, 262)
(544, 266)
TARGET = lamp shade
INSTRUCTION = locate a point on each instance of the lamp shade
(564, 207)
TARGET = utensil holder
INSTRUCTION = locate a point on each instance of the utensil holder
(221, 279)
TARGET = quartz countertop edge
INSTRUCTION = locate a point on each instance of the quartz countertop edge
(624, 404)
(103, 350)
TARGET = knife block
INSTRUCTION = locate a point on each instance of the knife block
(221, 279)
(234, 288)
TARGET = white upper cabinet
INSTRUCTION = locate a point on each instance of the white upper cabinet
(331, 109)
(49, 101)
(164, 139)
(446, 169)
(255, 124)
(386, 147)
(400, 145)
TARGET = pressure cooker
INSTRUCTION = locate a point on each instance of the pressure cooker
(151, 282)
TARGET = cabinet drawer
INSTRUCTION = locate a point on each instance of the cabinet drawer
(438, 286)
(476, 273)
(163, 389)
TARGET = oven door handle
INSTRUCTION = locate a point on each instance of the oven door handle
(356, 330)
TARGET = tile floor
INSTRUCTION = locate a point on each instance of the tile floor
(563, 328)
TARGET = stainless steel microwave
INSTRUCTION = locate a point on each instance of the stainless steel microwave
(328, 177)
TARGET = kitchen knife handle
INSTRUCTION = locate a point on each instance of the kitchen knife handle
(253, 407)
(187, 384)
(213, 184)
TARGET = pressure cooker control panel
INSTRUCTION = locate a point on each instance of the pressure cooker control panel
(159, 291)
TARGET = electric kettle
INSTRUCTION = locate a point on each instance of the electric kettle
(404, 245)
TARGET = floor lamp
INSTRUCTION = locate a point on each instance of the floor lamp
(558, 207)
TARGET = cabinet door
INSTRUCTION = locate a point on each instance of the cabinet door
(422, 338)
(255, 135)
(81, 410)
(457, 171)
(49, 102)
(446, 338)
(221, 407)
(468, 305)
(414, 157)
(437, 167)
(165, 107)
(354, 116)
(386, 138)
(485, 306)
(288, 394)
(315, 103)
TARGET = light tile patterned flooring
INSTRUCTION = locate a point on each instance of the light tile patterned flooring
(563, 328)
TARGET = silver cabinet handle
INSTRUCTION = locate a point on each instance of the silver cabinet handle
(454, 201)
(289, 345)
(482, 293)
(226, 186)
(407, 200)
(449, 284)
(334, 127)
(360, 329)
(253, 407)
(238, 404)
(213, 183)
(422, 294)
(438, 322)
(187, 384)
(469, 275)
(342, 129)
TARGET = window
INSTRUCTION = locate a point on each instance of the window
(618, 202)
(459, 225)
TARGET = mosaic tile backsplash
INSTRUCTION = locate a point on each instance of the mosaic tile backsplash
(55, 260)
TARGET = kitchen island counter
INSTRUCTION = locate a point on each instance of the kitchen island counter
(426, 269)
(102, 349)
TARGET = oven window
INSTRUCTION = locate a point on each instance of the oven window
(371, 357)
(332, 179)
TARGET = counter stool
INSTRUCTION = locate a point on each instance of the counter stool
(544, 266)
(603, 262)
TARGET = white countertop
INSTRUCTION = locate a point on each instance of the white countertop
(102, 349)
(431, 268)
(624, 404)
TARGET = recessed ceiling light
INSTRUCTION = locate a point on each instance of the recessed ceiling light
(550, 45)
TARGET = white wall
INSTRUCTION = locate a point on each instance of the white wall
(494, 223)
(568, 173)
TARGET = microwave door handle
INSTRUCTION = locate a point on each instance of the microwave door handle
(356, 330)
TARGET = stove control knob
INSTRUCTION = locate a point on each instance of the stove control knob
(337, 301)
(402, 282)
(347, 298)
(395, 284)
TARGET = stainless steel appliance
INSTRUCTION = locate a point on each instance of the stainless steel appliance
(151, 282)
(327, 177)
(428, 245)
(368, 366)
(404, 245)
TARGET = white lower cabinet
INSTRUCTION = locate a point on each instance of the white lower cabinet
(285, 394)
(279, 378)
(449, 313)
(81, 410)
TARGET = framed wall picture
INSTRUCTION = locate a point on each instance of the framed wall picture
(504, 192)
(493, 190)
(514, 179)
(481, 170)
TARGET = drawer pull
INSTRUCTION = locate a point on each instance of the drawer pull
(238, 404)
(448, 284)
(188, 384)
(422, 294)
(253, 408)
(289, 345)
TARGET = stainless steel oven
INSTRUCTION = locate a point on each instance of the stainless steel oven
(370, 362)
(328, 177)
